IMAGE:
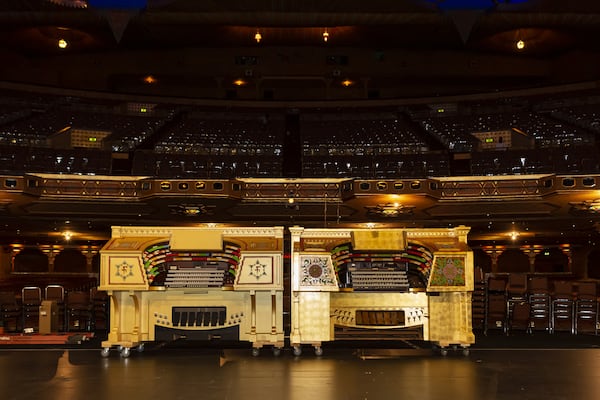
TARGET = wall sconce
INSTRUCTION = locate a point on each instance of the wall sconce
(258, 36)
(325, 36)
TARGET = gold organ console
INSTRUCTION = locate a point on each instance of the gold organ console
(169, 283)
(226, 283)
(381, 284)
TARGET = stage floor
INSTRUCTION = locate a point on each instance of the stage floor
(191, 372)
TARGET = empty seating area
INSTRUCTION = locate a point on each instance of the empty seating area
(577, 159)
(173, 140)
(367, 145)
(126, 131)
(192, 166)
(519, 302)
(360, 134)
(75, 309)
(201, 144)
(388, 166)
(21, 159)
(453, 132)
(549, 132)
(223, 134)
(12, 112)
(586, 116)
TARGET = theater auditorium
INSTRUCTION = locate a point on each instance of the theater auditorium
(336, 199)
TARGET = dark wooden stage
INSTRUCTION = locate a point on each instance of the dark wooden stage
(548, 367)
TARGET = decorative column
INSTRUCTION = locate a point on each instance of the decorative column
(14, 250)
(532, 252)
(566, 250)
(494, 252)
(51, 252)
(89, 254)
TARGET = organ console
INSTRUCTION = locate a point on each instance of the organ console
(381, 284)
(169, 283)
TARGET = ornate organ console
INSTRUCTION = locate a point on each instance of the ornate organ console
(381, 284)
(169, 283)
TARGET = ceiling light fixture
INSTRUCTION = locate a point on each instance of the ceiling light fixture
(390, 210)
(591, 206)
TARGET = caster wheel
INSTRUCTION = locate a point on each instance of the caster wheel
(297, 351)
(105, 352)
(141, 348)
(444, 352)
(255, 352)
(125, 352)
(276, 351)
(466, 351)
(318, 351)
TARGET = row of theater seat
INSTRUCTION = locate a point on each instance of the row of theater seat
(76, 310)
(548, 130)
(536, 303)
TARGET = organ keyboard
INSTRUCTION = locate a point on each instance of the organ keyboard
(373, 277)
(194, 277)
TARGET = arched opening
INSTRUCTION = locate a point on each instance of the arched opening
(513, 260)
(30, 259)
(70, 260)
(482, 260)
(593, 266)
(551, 260)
